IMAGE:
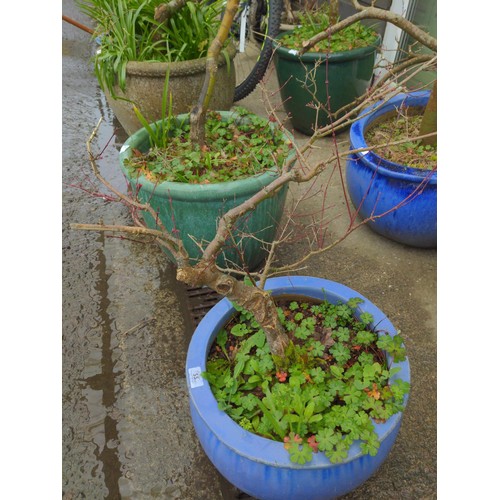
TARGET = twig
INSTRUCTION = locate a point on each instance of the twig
(162, 236)
(374, 13)
(143, 323)
(77, 24)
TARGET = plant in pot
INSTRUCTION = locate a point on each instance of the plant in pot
(314, 423)
(190, 186)
(317, 85)
(385, 176)
(394, 145)
(375, 183)
(141, 40)
(321, 375)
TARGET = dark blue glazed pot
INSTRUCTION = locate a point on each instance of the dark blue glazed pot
(376, 185)
(261, 467)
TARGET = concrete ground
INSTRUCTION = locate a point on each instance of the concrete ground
(126, 429)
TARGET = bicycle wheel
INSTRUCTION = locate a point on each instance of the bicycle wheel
(263, 21)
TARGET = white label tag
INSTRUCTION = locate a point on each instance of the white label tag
(195, 378)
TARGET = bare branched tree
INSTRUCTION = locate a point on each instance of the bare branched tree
(297, 170)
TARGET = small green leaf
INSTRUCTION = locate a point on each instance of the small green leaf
(366, 318)
(309, 410)
(354, 302)
(274, 422)
(298, 316)
(222, 338)
(300, 453)
(239, 330)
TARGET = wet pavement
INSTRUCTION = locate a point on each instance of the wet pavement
(126, 429)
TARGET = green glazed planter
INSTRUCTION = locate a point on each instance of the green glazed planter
(341, 76)
(192, 210)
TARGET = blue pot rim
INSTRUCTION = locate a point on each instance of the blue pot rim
(376, 162)
(334, 57)
(227, 431)
(181, 190)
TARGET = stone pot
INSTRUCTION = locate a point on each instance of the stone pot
(145, 82)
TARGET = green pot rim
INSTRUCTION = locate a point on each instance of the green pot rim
(342, 56)
(201, 192)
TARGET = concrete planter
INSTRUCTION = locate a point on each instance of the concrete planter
(145, 82)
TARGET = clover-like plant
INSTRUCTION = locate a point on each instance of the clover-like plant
(333, 386)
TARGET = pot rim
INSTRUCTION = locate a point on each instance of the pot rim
(181, 190)
(373, 160)
(176, 68)
(250, 445)
(334, 57)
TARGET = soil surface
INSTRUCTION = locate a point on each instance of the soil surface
(393, 138)
(126, 427)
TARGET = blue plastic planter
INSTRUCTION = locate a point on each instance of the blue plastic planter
(377, 185)
(259, 466)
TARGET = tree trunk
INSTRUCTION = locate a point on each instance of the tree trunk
(199, 112)
(251, 298)
(165, 11)
(429, 120)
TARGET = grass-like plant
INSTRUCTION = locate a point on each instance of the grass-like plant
(128, 31)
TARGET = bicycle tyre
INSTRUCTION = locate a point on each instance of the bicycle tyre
(247, 82)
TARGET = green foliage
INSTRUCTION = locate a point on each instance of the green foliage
(300, 452)
(313, 22)
(393, 346)
(341, 353)
(365, 337)
(128, 32)
(334, 383)
(157, 135)
(239, 330)
(241, 146)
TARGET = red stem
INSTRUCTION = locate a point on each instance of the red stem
(77, 24)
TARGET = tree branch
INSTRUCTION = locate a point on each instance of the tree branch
(250, 298)
(296, 169)
(171, 243)
(374, 13)
(198, 114)
(165, 11)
